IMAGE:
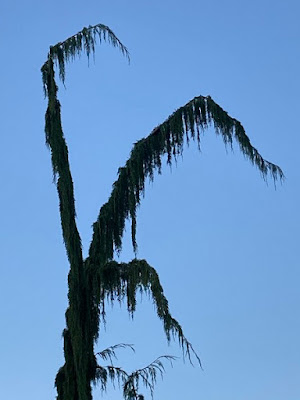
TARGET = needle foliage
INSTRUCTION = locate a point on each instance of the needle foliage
(99, 279)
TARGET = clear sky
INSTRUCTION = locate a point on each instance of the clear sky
(225, 244)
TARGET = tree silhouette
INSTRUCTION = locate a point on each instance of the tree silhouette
(99, 278)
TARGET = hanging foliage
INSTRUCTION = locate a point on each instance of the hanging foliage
(168, 138)
(129, 382)
(83, 41)
(99, 279)
(116, 281)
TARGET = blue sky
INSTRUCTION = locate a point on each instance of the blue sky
(225, 244)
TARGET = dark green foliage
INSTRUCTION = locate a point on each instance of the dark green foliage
(167, 138)
(130, 382)
(98, 279)
(148, 377)
(85, 40)
(110, 352)
(116, 281)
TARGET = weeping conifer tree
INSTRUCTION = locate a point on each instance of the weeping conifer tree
(98, 279)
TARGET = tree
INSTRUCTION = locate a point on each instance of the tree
(98, 278)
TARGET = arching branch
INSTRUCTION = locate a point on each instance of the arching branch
(146, 157)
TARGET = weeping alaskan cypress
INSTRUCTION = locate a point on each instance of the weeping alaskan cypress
(98, 279)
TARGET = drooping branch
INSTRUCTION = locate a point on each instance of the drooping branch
(110, 352)
(131, 382)
(83, 41)
(116, 281)
(146, 157)
(148, 377)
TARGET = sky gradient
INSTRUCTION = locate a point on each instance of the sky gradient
(225, 243)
